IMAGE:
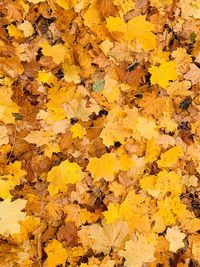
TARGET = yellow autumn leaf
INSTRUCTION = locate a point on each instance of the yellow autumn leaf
(13, 31)
(6, 185)
(152, 150)
(71, 73)
(92, 16)
(175, 238)
(170, 157)
(146, 127)
(125, 5)
(63, 3)
(60, 176)
(11, 215)
(112, 214)
(57, 51)
(7, 106)
(77, 131)
(163, 74)
(104, 167)
(137, 252)
(3, 135)
(39, 138)
(110, 236)
(15, 169)
(27, 28)
(56, 253)
(45, 77)
(144, 35)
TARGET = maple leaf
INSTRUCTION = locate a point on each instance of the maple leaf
(13, 31)
(108, 237)
(112, 214)
(175, 238)
(57, 52)
(27, 28)
(130, 30)
(104, 167)
(169, 157)
(163, 74)
(60, 176)
(10, 215)
(138, 251)
(56, 253)
(92, 16)
(7, 106)
(77, 131)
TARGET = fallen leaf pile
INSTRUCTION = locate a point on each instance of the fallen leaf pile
(100, 133)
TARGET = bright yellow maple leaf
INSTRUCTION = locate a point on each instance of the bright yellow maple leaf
(112, 214)
(92, 15)
(138, 28)
(13, 31)
(10, 180)
(71, 73)
(134, 210)
(163, 74)
(152, 150)
(137, 252)
(16, 171)
(57, 52)
(7, 106)
(56, 253)
(104, 167)
(77, 131)
(170, 157)
(60, 176)
(10, 215)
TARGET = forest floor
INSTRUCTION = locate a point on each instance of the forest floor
(100, 133)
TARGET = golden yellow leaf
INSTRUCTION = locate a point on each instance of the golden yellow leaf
(144, 36)
(104, 167)
(57, 52)
(60, 176)
(112, 214)
(77, 131)
(163, 74)
(13, 31)
(56, 253)
(152, 150)
(92, 16)
(7, 106)
(169, 157)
